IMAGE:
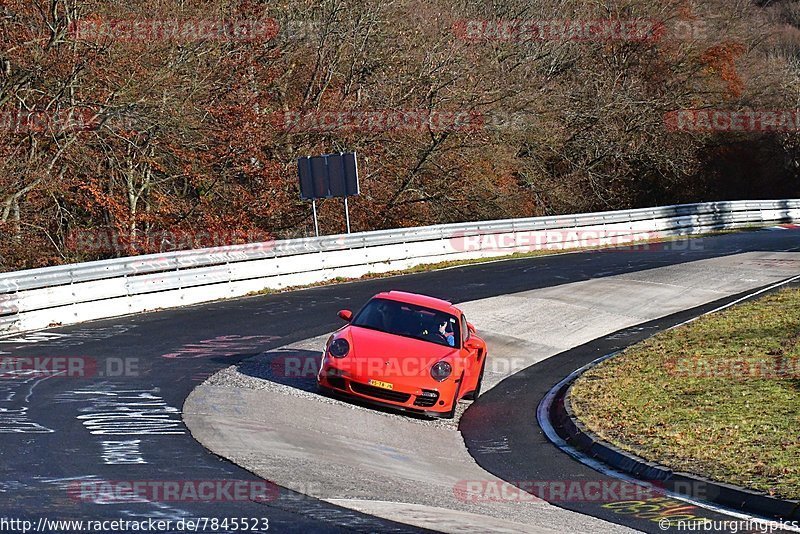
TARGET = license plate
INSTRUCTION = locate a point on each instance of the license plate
(379, 384)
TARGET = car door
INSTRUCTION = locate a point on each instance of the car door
(472, 366)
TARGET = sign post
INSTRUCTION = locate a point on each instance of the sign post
(331, 175)
(347, 214)
(316, 222)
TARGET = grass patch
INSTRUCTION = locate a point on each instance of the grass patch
(719, 397)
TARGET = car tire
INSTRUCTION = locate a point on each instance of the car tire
(452, 413)
(472, 395)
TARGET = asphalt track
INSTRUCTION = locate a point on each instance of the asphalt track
(54, 434)
(504, 417)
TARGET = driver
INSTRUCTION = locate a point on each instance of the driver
(382, 315)
(446, 331)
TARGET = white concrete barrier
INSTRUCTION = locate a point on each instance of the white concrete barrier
(38, 298)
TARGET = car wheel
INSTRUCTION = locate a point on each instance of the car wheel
(472, 395)
(452, 412)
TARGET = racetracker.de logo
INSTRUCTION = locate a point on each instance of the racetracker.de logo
(127, 491)
(111, 240)
(599, 491)
(35, 366)
(519, 30)
(308, 366)
(529, 241)
(720, 120)
(71, 120)
(379, 121)
(775, 368)
(16, 367)
(153, 30)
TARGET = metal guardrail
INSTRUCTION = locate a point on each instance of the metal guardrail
(65, 294)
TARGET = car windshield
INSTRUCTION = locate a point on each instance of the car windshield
(409, 320)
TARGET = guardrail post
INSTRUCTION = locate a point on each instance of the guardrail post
(230, 276)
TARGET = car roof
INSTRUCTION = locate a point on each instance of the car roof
(420, 300)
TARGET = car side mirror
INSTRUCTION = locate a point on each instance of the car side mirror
(347, 315)
(471, 327)
(471, 345)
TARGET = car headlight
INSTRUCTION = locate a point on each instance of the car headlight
(441, 370)
(339, 348)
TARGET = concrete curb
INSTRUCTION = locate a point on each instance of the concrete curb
(574, 432)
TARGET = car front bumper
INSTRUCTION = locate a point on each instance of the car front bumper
(418, 399)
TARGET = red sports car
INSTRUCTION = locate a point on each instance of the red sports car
(406, 351)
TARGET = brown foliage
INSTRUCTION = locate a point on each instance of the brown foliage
(148, 139)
